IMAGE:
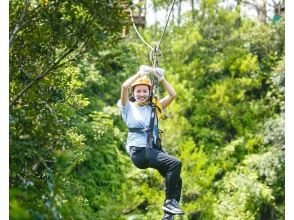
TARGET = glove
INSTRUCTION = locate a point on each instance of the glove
(144, 70)
(159, 73)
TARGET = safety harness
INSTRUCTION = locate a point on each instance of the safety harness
(156, 113)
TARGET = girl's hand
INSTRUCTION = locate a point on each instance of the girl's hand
(144, 70)
(159, 73)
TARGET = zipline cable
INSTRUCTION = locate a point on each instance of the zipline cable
(166, 23)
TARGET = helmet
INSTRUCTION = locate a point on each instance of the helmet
(142, 81)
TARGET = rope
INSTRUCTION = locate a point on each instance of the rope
(131, 14)
(161, 37)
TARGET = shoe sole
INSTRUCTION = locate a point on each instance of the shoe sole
(169, 218)
(172, 212)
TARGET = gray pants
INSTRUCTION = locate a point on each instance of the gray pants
(168, 166)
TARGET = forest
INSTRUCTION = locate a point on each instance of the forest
(67, 156)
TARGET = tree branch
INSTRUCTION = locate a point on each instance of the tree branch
(18, 25)
(44, 73)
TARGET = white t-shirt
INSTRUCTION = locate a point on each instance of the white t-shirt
(136, 116)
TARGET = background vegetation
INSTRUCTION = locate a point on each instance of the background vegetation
(67, 157)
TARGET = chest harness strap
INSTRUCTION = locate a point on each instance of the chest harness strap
(150, 138)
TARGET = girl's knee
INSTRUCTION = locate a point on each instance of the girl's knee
(177, 164)
(141, 164)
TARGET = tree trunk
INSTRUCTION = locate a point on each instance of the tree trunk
(261, 11)
(238, 9)
(179, 11)
(193, 10)
(279, 8)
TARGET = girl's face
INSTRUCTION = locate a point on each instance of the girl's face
(141, 93)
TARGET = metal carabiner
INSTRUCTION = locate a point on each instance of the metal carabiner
(155, 54)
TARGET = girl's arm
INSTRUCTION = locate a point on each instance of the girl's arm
(124, 96)
(170, 96)
(171, 93)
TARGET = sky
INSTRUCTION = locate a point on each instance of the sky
(161, 15)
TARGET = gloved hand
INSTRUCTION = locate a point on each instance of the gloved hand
(144, 70)
(159, 73)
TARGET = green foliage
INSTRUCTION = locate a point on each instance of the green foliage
(241, 196)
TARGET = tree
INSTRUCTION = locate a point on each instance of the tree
(68, 30)
(47, 143)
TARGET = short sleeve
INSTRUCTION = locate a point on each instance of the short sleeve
(123, 109)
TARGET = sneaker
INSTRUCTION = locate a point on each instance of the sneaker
(172, 206)
(168, 216)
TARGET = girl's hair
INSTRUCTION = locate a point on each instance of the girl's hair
(132, 98)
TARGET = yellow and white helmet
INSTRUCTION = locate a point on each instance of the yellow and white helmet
(142, 81)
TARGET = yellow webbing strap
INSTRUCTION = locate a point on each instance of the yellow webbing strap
(159, 111)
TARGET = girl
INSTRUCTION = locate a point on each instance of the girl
(137, 115)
